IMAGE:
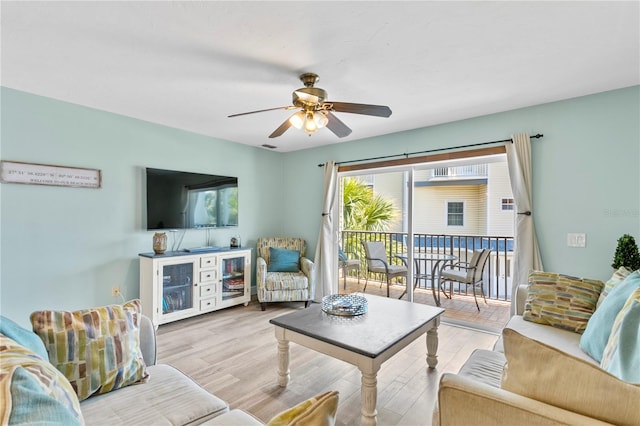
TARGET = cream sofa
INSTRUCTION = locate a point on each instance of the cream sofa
(166, 397)
(475, 396)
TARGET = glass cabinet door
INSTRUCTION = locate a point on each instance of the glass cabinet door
(177, 287)
(233, 277)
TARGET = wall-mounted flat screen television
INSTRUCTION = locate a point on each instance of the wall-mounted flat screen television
(184, 200)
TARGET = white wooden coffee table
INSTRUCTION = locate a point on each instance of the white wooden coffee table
(365, 341)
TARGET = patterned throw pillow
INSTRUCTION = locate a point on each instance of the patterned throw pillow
(97, 349)
(33, 391)
(622, 354)
(560, 300)
(617, 277)
(317, 411)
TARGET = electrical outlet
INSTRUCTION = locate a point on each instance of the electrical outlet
(115, 291)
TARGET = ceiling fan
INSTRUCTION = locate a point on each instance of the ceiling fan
(315, 112)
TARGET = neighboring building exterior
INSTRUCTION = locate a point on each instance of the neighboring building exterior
(464, 200)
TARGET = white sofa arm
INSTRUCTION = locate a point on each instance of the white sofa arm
(521, 297)
(462, 401)
(148, 341)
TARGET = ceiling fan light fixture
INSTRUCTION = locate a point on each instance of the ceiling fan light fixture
(320, 119)
(297, 120)
(310, 125)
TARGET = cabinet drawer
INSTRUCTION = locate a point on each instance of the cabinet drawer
(206, 304)
(207, 290)
(207, 276)
(208, 262)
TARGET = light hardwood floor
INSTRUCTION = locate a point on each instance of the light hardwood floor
(232, 353)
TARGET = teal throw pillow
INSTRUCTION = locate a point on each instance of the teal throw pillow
(622, 353)
(24, 337)
(596, 335)
(31, 404)
(283, 260)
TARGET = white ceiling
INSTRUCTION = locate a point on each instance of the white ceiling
(191, 64)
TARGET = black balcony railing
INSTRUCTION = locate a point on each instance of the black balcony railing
(497, 283)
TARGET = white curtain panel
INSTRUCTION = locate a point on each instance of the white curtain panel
(526, 255)
(326, 260)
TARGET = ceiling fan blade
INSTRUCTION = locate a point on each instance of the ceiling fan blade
(336, 126)
(281, 129)
(377, 110)
(262, 110)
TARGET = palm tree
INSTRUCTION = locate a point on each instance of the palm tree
(363, 210)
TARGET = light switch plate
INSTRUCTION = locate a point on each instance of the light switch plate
(577, 240)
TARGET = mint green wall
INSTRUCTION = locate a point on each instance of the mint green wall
(585, 170)
(65, 248)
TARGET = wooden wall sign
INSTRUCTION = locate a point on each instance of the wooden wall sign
(42, 174)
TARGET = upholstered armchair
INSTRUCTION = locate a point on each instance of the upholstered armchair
(283, 274)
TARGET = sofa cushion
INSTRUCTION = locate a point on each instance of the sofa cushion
(598, 330)
(484, 366)
(622, 354)
(317, 411)
(168, 397)
(283, 260)
(618, 276)
(34, 391)
(234, 418)
(544, 373)
(97, 349)
(561, 301)
(23, 337)
(563, 340)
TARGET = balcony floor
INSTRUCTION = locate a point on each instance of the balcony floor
(460, 310)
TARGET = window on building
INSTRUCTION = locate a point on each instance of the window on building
(455, 213)
(507, 204)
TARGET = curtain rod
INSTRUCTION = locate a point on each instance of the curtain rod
(407, 154)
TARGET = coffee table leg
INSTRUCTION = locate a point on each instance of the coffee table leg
(369, 395)
(283, 358)
(432, 344)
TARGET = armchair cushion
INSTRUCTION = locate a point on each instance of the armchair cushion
(283, 260)
(277, 281)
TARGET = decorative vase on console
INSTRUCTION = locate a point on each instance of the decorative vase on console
(159, 242)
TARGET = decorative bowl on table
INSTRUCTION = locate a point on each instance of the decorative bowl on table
(344, 304)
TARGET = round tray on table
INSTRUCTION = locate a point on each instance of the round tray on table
(344, 304)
